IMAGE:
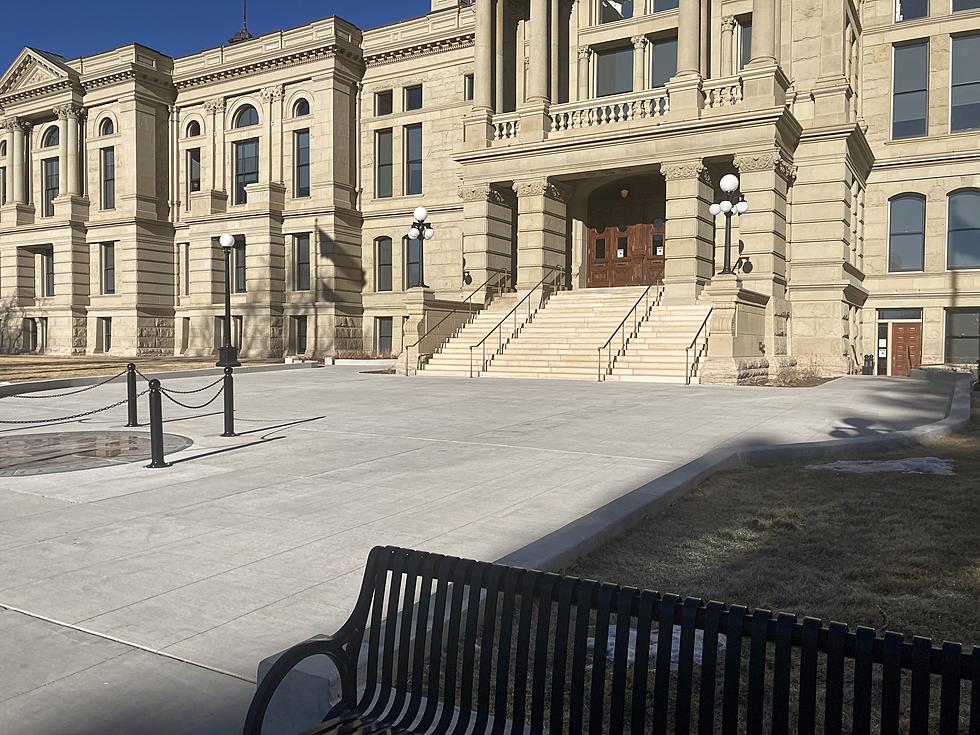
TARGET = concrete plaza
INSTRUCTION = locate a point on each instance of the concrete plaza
(142, 600)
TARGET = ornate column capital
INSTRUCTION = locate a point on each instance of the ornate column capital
(728, 24)
(766, 161)
(683, 170)
(639, 42)
(67, 110)
(275, 92)
(481, 193)
(215, 105)
(584, 52)
(541, 187)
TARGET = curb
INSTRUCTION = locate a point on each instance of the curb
(14, 389)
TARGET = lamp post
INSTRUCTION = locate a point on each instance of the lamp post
(730, 204)
(227, 353)
(421, 231)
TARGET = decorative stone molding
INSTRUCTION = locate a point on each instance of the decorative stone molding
(584, 52)
(68, 110)
(14, 123)
(686, 170)
(527, 63)
(423, 49)
(279, 62)
(275, 92)
(639, 42)
(215, 105)
(481, 193)
(541, 187)
(728, 23)
(769, 161)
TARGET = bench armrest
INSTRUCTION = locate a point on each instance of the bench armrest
(328, 646)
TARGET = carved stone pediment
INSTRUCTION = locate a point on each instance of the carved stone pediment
(32, 70)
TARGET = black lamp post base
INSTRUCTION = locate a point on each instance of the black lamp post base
(228, 357)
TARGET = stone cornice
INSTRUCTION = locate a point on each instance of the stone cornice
(277, 62)
(20, 96)
(106, 80)
(481, 193)
(465, 40)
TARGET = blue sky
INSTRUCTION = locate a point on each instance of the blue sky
(71, 28)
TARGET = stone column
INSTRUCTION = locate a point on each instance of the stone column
(216, 109)
(542, 230)
(73, 115)
(639, 63)
(727, 45)
(273, 99)
(584, 72)
(685, 87)
(498, 47)
(689, 231)
(764, 84)
(18, 162)
(487, 232)
(7, 135)
(764, 32)
(62, 112)
(537, 85)
(553, 52)
(484, 53)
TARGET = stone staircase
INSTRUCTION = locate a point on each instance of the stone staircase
(659, 352)
(453, 358)
(563, 340)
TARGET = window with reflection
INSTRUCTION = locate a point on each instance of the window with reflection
(51, 137)
(106, 127)
(910, 86)
(301, 108)
(246, 167)
(193, 129)
(906, 233)
(663, 57)
(911, 9)
(963, 238)
(614, 71)
(246, 117)
(965, 92)
(613, 10)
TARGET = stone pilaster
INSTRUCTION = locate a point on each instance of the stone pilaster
(727, 45)
(487, 234)
(736, 333)
(69, 116)
(542, 230)
(272, 96)
(584, 72)
(640, 44)
(689, 230)
(216, 111)
(685, 87)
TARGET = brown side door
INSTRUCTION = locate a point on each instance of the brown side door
(599, 248)
(906, 347)
(626, 254)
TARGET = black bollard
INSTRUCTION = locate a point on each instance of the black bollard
(131, 395)
(229, 403)
(156, 427)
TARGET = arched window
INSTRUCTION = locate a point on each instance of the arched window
(301, 108)
(106, 127)
(3, 148)
(51, 138)
(193, 129)
(963, 240)
(906, 233)
(246, 117)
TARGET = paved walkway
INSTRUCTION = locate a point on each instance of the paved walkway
(148, 596)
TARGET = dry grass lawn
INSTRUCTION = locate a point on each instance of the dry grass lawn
(22, 368)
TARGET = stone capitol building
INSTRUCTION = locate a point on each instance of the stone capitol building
(570, 155)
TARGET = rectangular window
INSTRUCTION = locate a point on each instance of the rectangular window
(108, 268)
(663, 55)
(383, 163)
(959, 5)
(299, 334)
(383, 103)
(104, 334)
(963, 336)
(3, 184)
(382, 334)
(468, 88)
(413, 98)
(48, 264)
(187, 267)
(413, 159)
(613, 10)
(108, 156)
(383, 266)
(744, 42)
(238, 255)
(413, 263)
(50, 185)
(910, 84)
(238, 331)
(659, 5)
(614, 71)
(906, 234)
(900, 315)
(301, 259)
(301, 151)
(965, 93)
(194, 169)
(910, 9)
(246, 167)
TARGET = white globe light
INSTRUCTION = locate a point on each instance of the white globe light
(420, 214)
(729, 183)
(715, 210)
(227, 241)
(726, 207)
(428, 233)
(413, 233)
(742, 207)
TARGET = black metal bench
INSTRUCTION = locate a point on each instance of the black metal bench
(456, 646)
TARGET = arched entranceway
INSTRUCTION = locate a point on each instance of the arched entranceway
(625, 223)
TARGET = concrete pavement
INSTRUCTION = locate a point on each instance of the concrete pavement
(127, 588)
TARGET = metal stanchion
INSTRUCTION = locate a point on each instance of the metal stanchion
(131, 395)
(156, 427)
(229, 389)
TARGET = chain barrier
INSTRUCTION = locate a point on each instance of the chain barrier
(76, 416)
(69, 393)
(167, 393)
(196, 390)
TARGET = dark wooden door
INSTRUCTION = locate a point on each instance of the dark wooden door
(626, 246)
(906, 347)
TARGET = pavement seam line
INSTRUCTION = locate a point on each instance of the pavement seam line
(124, 642)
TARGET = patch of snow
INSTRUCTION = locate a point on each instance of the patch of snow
(912, 465)
(675, 646)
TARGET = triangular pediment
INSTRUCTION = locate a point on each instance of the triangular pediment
(33, 69)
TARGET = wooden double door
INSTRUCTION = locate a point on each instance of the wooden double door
(906, 347)
(626, 244)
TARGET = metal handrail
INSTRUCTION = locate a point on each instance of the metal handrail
(610, 359)
(472, 313)
(501, 343)
(688, 367)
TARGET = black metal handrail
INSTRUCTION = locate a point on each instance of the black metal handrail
(545, 295)
(610, 358)
(689, 368)
(471, 314)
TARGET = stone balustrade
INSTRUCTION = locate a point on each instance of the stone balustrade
(506, 127)
(723, 92)
(647, 105)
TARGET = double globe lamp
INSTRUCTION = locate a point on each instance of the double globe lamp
(421, 231)
(730, 204)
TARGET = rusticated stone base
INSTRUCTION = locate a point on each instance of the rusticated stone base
(728, 371)
(154, 335)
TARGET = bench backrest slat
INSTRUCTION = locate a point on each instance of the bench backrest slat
(478, 647)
